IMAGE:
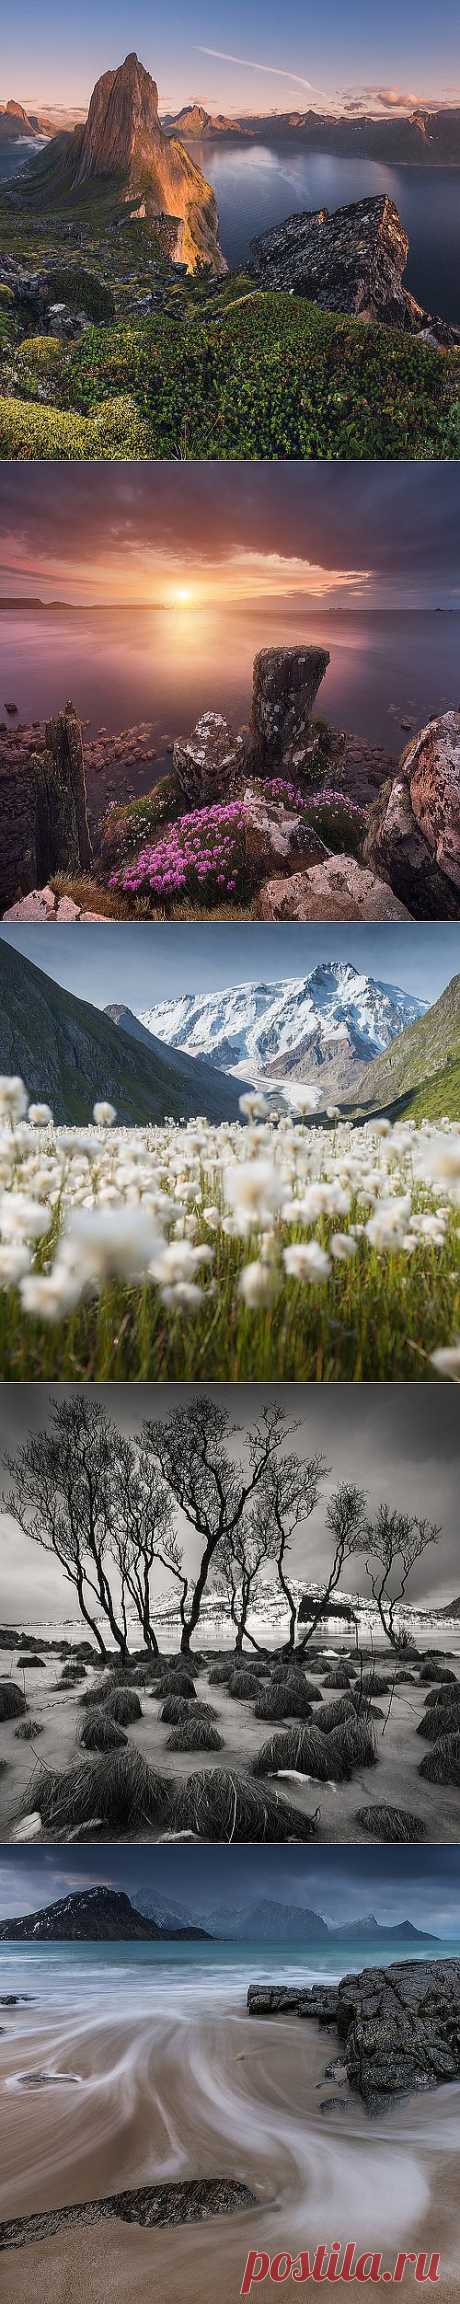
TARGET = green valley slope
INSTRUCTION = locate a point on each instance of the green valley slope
(71, 1054)
(419, 1075)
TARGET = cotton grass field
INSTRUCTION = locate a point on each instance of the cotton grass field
(268, 1249)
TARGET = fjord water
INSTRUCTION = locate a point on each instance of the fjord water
(257, 185)
(149, 2070)
(167, 665)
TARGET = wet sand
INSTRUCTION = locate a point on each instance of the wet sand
(171, 2095)
(394, 1779)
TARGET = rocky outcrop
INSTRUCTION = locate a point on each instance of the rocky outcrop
(207, 763)
(352, 261)
(276, 837)
(285, 685)
(187, 2201)
(43, 812)
(122, 140)
(42, 907)
(413, 834)
(337, 889)
(398, 2027)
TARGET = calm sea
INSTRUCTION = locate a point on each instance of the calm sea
(257, 185)
(169, 665)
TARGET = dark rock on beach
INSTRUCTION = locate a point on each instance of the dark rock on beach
(399, 2027)
(192, 2202)
(285, 684)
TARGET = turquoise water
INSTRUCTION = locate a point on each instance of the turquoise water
(186, 1976)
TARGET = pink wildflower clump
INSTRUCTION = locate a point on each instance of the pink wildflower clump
(200, 856)
(277, 788)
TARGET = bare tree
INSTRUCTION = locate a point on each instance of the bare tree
(62, 1496)
(142, 1525)
(395, 1542)
(192, 1450)
(346, 1524)
(287, 1497)
(237, 1571)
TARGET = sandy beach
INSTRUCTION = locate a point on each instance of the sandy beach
(182, 2091)
(394, 1779)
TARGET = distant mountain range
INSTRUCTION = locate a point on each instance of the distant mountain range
(91, 1915)
(71, 1054)
(107, 1915)
(430, 138)
(324, 1028)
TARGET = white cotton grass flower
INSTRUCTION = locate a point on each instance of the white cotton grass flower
(40, 1116)
(342, 1247)
(103, 1245)
(13, 1098)
(253, 1188)
(22, 1216)
(257, 1285)
(15, 1261)
(306, 1260)
(104, 1115)
(301, 1096)
(447, 1360)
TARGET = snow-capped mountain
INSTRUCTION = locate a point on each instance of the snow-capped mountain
(331, 1022)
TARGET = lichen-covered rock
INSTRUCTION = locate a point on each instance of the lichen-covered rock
(413, 835)
(399, 2027)
(337, 889)
(352, 261)
(285, 684)
(206, 763)
(276, 837)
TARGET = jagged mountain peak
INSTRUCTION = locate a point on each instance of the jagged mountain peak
(332, 1022)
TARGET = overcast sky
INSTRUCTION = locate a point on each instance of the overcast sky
(342, 533)
(400, 1441)
(343, 1884)
(144, 962)
(248, 53)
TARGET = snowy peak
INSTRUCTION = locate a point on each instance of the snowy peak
(331, 1022)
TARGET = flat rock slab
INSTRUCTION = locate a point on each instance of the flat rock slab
(399, 2027)
(151, 2204)
(339, 889)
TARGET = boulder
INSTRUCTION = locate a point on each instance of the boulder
(337, 889)
(276, 838)
(413, 834)
(43, 813)
(285, 684)
(399, 2027)
(206, 763)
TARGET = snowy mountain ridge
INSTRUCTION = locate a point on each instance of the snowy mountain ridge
(329, 1022)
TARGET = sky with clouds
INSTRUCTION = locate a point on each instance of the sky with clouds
(145, 961)
(400, 1441)
(247, 57)
(343, 1884)
(362, 534)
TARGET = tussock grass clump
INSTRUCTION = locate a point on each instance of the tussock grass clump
(434, 1670)
(71, 1676)
(195, 1734)
(99, 1733)
(174, 1709)
(332, 1715)
(302, 1748)
(437, 1698)
(91, 1697)
(222, 1804)
(338, 1677)
(245, 1685)
(404, 1677)
(375, 1683)
(27, 1729)
(178, 1683)
(390, 1824)
(119, 1788)
(439, 1720)
(442, 1764)
(124, 1705)
(351, 1746)
(221, 1673)
(12, 1700)
(28, 1663)
(273, 1703)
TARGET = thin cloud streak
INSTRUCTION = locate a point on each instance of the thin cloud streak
(276, 70)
